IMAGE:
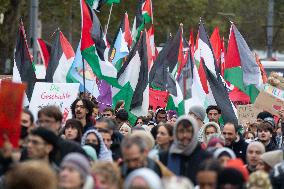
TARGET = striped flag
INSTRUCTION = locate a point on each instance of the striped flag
(23, 70)
(147, 11)
(241, 68)
(93, 48)
(61, 59)
(133, 77)
(45, 50)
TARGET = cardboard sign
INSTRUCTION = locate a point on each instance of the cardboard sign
(11, 102)
(58, 94)
(247, 113)
(269, 103)
(278, 93)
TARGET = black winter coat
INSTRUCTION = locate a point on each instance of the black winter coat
(189, 164)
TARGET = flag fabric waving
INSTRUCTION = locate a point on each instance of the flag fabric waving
(93, 47)
(215, 41)
(133, 77)
(147, 11)
(241, 69)
(23, 70)
(122, 43)
(97, 4)
(221, 97)
(45, 50)
(62, 56)
(75, 74)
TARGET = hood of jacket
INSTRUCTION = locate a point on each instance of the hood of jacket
(204, 127)
(104, 154)
(177, 147)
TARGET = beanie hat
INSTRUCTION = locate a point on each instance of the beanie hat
(47, 135)
(230, 176)
(272, 158)
(263, 115)
(238, 165)
(78, 162)
(91, 152)
(198, 111)
(122, 115)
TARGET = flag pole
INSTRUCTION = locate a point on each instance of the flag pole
(84, 78)
(109, 17)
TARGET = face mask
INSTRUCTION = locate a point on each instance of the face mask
(24, 132)
(96, 147)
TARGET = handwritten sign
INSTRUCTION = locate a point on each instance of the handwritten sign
(278, 93)
(247, 113)
(61, 95)
(269, 102)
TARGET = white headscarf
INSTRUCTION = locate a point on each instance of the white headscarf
(177, 147)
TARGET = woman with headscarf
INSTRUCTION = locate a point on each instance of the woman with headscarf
(93, 138)
(143, 178)
(207, 130)
(223, 155)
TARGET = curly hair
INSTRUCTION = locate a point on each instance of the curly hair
(89, 105)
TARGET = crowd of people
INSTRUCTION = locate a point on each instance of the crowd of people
(102, 150)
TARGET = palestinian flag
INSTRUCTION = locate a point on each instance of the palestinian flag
(158, 72)
(154, 49)
(45, 50)
(93, 48)
(133, 77)
(204, 51)
(222, 57)
(175, 58)
(62, 56)
(138, 23)
(185, 78)
(204, 55)
(215, 41)
(221, 97)
(191, 43)
(122, 43)
(176, 99)
(198, 95)
(241, 69)
(169, 58)
(97, 4)
(23, 70)
(147, 11)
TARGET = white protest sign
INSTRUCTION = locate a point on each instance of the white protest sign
(61, 95)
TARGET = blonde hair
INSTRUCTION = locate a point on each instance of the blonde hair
(126, 126)
(110, 171)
